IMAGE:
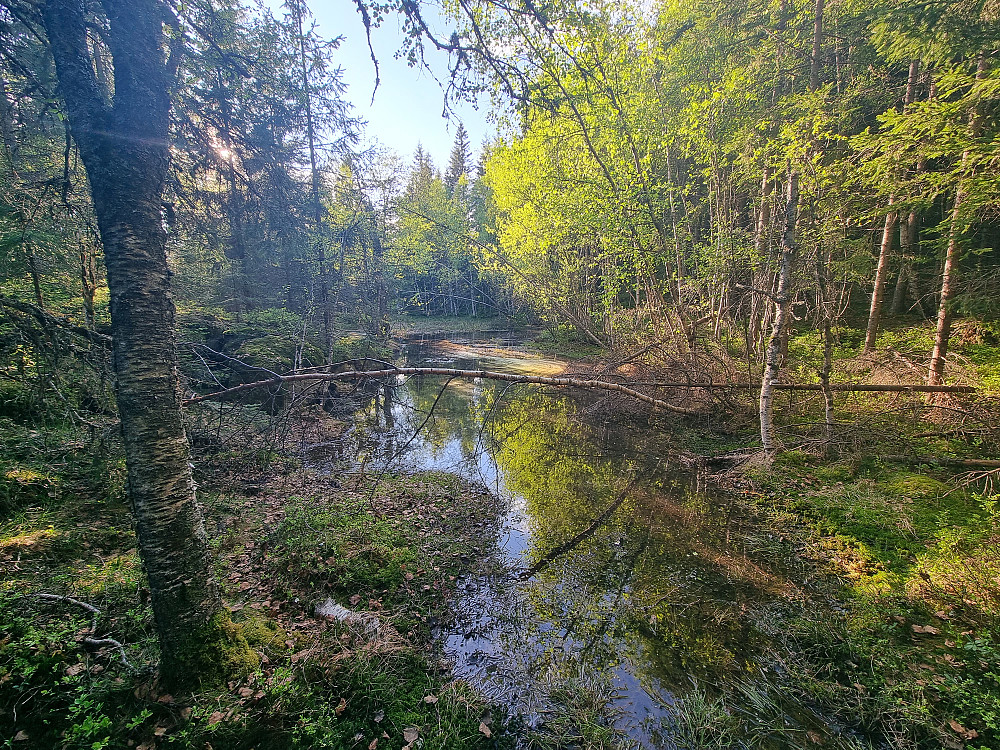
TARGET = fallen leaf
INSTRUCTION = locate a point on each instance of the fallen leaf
(485, 729)
(430, 699)
(969, 734)
(341, 707)
(216, 717)
(355, 599)
(925, 629)
(160, 731)
(75, 669)
(374, 744)
(379, 715)
(410, 734)
(21, 736)
(185, 713)
(246, 692)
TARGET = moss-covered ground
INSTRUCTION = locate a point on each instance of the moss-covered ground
(906, 651)
(390, 552)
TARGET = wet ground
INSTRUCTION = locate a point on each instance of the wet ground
(625, 582)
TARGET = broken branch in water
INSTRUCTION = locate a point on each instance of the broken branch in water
(449, 372)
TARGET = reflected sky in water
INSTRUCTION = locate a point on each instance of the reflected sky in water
(675, 588)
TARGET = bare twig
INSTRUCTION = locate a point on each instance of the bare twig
(95, 613)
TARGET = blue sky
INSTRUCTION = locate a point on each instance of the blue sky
(408, 103)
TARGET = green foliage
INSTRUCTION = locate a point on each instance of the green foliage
(43, 673)
(343, 547)
(913, 649)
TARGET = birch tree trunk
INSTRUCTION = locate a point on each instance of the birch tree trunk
(761, 245)
(125, 152)
(772, 357)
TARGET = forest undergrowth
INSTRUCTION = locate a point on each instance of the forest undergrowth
(285, 550)
(902, 655)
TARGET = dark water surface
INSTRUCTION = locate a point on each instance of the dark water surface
(620, 608)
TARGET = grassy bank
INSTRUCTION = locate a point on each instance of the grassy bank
(390, 553)
(908, 652)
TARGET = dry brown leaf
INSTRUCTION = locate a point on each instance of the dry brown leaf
(216, 717)
(430, 699)
(969, 734)
(75, 669)
(21, 736)
(485, 729)
(410, 734)
(341, 707)
(925, 629)
(160, 731)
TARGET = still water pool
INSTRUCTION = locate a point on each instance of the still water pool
(628, 594)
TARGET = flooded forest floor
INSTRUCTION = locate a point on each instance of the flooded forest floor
(534, 570)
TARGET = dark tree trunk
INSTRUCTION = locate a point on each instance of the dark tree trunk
(815, 59)
(881, 274)
(88, 282)
(935, 372)
(125, 152)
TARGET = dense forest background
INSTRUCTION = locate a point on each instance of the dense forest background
(662, 168)
(713, 201)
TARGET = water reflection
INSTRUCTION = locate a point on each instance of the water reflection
(657, 585)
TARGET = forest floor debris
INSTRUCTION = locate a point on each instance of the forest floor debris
(390, 553)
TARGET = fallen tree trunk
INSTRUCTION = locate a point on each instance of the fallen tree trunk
(953, 463)
(843, 387)
(861, 387)
(451, 373)
(563, 382)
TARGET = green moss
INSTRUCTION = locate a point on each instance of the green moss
(219, 652)
(914, 485)
(263, 633)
